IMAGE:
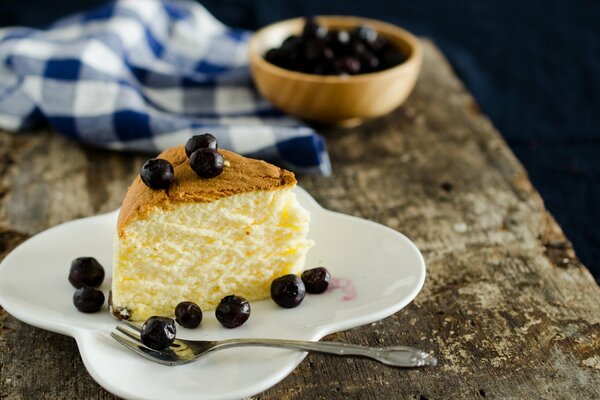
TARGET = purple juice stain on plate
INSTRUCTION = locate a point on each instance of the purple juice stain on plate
(345, 285)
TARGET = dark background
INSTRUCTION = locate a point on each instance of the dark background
(533, 66)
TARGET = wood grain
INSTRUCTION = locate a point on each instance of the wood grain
(507, 307)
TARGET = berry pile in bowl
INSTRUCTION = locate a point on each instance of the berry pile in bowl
(322, 51)
(335, 70)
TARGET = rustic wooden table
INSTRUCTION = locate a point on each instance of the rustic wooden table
(507, 307)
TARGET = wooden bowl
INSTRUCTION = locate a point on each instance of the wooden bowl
(334, 100)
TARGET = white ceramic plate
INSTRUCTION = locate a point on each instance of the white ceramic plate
(377, 272)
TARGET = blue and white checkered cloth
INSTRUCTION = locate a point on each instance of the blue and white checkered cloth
(145, 75)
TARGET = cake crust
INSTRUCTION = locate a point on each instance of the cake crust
(241, 175)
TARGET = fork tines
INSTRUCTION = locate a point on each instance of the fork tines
(130, 338)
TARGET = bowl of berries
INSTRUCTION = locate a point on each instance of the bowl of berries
(336, 70)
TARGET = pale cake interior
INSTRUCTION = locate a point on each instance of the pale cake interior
(203, 251)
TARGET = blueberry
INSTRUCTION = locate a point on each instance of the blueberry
(86, 271)
(287, 291)
(365, 33)
(88, 299)
(313, 50)
(158, 333)
(338, 41)
(291, 40)
(275, 57)
(233, 311)
(157, 173)
(292, 55)
(188, 314)
(313, 30)
(343, 37)
(291, 44)
(316, 280)
(207, 163)
(378, 44)
(327, 53)
(369, 62)
(347, 65)
(205, 141)
(358, 48)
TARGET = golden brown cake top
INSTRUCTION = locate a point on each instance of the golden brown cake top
(240, 175)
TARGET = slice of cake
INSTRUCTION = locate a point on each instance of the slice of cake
(202, 239)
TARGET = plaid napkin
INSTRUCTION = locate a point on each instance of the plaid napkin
(147, 75)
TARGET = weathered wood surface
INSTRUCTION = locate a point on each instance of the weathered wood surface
(507, 307)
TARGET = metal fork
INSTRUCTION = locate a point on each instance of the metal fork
(186, 351)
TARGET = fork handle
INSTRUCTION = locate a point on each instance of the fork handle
(397, 356)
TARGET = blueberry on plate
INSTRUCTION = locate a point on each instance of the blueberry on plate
(207, 163)
(88, 299)
(188, 314)
(204, 141)
(233, 311)
(157, 173)
(288, 291)
(158, 333)
(316, 280)
(86, 271)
